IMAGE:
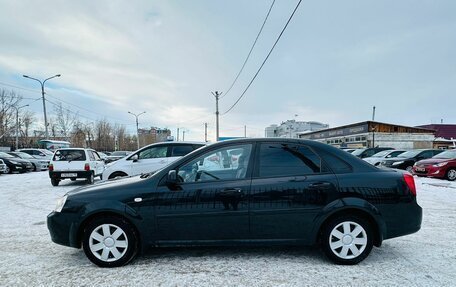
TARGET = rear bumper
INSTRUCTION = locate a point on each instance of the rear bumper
(64, 174)
(401, 219)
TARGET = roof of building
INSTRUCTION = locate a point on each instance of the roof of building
(446, 131)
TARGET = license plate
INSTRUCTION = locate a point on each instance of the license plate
(68, 175)
(420, 169)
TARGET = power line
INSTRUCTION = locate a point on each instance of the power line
(17, 87)
(267, 57)
(251, 49)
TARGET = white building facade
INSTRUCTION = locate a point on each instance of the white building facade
(292, 129)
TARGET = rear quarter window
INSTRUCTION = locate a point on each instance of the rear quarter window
(69, 155)
(336, 164)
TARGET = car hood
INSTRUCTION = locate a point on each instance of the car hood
(123, 183)
(433, 161)
(394, 159)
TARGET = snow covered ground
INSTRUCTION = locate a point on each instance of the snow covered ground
(29, 258)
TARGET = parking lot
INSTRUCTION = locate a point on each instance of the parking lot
(29, 258)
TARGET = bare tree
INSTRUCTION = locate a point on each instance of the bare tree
(8, 101)
(28, 117)
(64, 120)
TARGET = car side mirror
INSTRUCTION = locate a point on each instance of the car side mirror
(134, 158)
(172, 177)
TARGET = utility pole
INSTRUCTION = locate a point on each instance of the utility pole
(17, 124)
(373, 113)
(373, 127)
(137, 125)
(205, 132)
(217, 95)
(245, 131)
(44, 100)
(183, 135)
(177, 134)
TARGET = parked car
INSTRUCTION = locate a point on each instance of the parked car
(377, 158)
(149, 158)
(102, 155)
(443, 165)
(38, 153)
(368, 152)
(2, 166)
(38, 164)
(73, 163)
(275, 191)
(116, 156)
(407, 159)
(14, 164)
(349, 150)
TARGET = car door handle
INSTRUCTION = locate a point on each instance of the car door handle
(320, 185)
(230, 192)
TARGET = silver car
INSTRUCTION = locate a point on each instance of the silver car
(38, 163)
(377, 158)
(2, 166)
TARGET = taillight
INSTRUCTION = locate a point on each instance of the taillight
(51, 167)
(87, 167)
(410, 181)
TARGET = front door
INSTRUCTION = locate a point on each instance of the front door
(149, 160)
(290, 186)
(211, 200)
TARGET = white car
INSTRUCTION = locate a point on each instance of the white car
(73, 163)
(149, 159)
(2, 166)
(38, 153)
(377, 158)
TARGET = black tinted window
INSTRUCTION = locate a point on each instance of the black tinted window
(287, 160)
(336, 164)
(181, 150)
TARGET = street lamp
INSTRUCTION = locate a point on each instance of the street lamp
(17, 123)
(44, 100)
(137, 129)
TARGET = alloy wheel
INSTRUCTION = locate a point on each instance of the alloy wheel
(348, 240)
(451, 175)
(108, 242)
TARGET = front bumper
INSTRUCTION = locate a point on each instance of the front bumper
(430, 171)
(61, 174)
(62, 229)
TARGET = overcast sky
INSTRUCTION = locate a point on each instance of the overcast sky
(335, 61)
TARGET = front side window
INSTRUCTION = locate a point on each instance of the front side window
(227, 163)
(153, 152)
(287, 160)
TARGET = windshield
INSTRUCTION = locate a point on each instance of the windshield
(47, 152)
(409, 154)
(449, 154)
(358, 151)
(4, 154)
(24, 155)
(382, 153)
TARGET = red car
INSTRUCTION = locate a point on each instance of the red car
(442, 165)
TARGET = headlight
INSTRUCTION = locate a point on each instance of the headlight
(397, 162)
(440, 164)
(60, 203)
(14, 162)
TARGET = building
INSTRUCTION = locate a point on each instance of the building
(292, 129)
(153, 135)
(370, 134)
(445, 135)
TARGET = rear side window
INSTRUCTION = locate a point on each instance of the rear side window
(181, 150)
(91, 156)
(336, 164)
(69, 155)
(287, 160)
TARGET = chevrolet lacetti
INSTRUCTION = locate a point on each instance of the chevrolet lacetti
(239, 192)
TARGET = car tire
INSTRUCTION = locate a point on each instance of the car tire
(91, 178)
(110, 241)
(347, 240)
(117, 174)
(451, 174)
(7, 170)
(34, 167)
(55, 182)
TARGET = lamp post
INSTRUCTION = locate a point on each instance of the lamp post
(44, 100)
(137, 129)
(17, 123)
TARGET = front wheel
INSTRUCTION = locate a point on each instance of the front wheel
(347, 240)
(451, 174)
(110, 242)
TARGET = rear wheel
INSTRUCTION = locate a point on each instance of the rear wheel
(110, 241)
(451, 174)
(55, 182)
(347, 240)
(90, 179)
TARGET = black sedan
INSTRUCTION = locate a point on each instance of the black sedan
(15, 164)
(407, 159)
(250, 191)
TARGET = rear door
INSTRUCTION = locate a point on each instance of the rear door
(290, 186)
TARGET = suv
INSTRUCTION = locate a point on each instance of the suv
(75, 163)
(149, 159)
(38, 153)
